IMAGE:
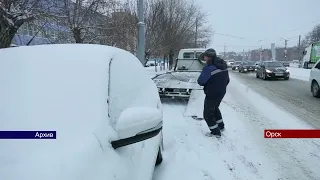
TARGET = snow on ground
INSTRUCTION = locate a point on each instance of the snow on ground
(299, 73)
(242, 152)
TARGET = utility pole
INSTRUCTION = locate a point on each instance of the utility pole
(243, 55)
(196, 35)
(299, 48)
(261, 53)
(224, 51)
(141, 38)
(285, 48)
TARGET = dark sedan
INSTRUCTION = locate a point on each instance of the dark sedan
(235, 65)
(272, 69)
(247, 66)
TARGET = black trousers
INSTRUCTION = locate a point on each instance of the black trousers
(212, 114)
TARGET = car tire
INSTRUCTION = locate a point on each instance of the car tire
(159, 157)
(286, 78)
(257, 75)
(315, 89)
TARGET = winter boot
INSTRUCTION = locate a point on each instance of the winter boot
(220, 125)
(216, 132)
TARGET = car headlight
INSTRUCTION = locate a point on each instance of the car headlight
(268, 71)
(287, 70)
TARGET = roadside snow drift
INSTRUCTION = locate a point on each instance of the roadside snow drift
(242, 153)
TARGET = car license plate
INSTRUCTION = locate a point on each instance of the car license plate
(279, 74)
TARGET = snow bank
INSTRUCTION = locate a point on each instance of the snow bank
(299, 73)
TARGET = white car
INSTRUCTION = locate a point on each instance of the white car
(230, 63)
(314, 80)
(94, 98)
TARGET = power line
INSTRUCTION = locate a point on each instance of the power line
(228, 35)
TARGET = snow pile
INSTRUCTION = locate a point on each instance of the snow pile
(242, 152)
(299, 73)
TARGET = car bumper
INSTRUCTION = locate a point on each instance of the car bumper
(249, 70)
(278, 75)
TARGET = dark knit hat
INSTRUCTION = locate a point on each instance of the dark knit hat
(209, 53)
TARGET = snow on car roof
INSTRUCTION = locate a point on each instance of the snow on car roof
(54, 86)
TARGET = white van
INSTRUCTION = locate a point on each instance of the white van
(188, 59)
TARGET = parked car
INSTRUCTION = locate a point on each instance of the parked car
(80, 91)
(314, 80)
(286, 63)
(272, 69)
(235, 65)
(247, 66)
(230, 62)
(150, 63)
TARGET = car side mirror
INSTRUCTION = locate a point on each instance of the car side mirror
(304, 52)
(137, 124)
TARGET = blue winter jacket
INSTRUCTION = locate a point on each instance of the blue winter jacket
(215, 78)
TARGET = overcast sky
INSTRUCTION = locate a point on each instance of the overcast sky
(256, 23)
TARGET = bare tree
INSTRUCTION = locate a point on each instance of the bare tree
(85, 19)
(122, 27)
(173, 25)
(14, 13)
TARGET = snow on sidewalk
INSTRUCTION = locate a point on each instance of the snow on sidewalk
(299, 73)
(242, 152)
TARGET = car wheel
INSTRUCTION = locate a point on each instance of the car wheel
(257, 75)
(159, 157)
(315, 89)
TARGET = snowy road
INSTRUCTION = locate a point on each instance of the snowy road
(293, 95)
(242, 153)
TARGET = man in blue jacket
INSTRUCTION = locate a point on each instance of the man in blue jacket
(215, 79)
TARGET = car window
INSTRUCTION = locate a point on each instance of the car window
(318, 65)
(198, 54)
(129, 86)
(188, 55)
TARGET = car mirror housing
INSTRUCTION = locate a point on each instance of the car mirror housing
(137, 124)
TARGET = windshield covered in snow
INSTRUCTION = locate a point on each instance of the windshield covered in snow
(237, 62)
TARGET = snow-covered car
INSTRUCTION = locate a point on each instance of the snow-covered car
(99, 100)
(314, 80)
(150, 63)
